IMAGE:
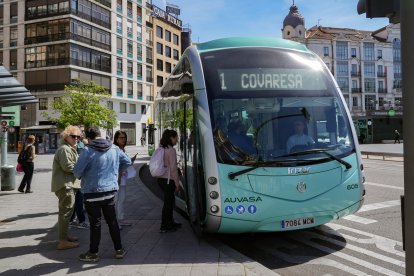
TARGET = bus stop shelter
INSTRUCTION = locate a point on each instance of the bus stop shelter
(12, 93)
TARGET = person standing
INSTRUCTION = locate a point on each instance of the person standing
(65, 184)
(120, 139)
(98, 168)
(28, 166)
(169, 182)
(397, 136)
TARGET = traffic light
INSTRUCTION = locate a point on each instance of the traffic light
(380, 8)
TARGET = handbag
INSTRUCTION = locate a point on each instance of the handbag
(19, 167)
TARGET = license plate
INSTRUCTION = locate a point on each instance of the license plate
(297, 222)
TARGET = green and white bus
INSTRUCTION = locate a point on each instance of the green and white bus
(266, 140)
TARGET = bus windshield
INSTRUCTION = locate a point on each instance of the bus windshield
(274, 107)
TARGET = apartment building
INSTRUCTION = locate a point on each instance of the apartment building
(46, 44)
(367, 68)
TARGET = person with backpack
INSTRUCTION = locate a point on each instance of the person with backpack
(26, 157)
(163, 165)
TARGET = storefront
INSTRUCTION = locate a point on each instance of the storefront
(46, 137)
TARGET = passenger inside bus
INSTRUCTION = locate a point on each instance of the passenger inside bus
(300, 140)
(237, 136)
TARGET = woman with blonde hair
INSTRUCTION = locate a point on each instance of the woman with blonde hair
(28, 165)
(65, 184)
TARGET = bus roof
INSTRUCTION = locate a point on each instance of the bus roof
(236, 42)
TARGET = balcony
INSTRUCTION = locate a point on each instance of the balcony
(381, 75)
(355, 74)
(344, 89)
(150, 98)
(356, 90)
(46, 38)
(90, 65)
(397, 75)
(92, 19)
(382, 90)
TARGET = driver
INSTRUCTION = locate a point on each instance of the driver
(299, 138)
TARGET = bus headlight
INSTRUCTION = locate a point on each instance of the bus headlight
(214, 195)
(214, 209)
(212, 180)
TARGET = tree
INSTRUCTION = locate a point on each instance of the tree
(84, 103)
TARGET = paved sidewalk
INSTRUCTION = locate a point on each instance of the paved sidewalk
(385, 148)
(28, 238)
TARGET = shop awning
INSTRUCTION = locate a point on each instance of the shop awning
(12, 92)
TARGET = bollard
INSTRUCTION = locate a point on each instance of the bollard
(8, 178)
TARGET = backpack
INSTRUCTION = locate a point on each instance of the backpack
(156, 165)
(23, 155)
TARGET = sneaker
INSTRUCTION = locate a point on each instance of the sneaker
(119, 254)
(20, 190)
(89, 257)
(82, 225)
(169, 229)
(29, 191)
(73, 223)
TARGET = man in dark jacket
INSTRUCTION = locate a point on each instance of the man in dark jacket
(98, 167)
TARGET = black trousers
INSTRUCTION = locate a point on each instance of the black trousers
(79, 212)
(28, 168)
(95, 209)
(167, 220)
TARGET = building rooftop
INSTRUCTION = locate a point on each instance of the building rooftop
(294, 18)
(330, 33)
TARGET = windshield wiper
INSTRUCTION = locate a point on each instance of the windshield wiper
(233, 175)
(333, 157)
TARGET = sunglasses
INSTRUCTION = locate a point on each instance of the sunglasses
(75, 136)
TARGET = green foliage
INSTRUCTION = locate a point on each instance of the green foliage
(84, 103)
(175, 120)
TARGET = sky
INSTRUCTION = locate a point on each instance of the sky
(212, 19)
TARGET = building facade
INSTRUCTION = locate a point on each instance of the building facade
(47, 44)
(367, 68)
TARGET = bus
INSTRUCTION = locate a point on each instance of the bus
(266, 142)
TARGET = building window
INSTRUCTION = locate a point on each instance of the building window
(13, 36)
(143, 109)
(343, 83)
(139, 32)
(139, 51)
(149, 54)
(369, 69)
(381, 87)
(119, 44)
(168, 36)
(342, 50)
(129, 48)
(370, 102)
(129, 28)
(380, 69)
(342, 68)
(160, 81)
(354, 101)
(325, 51)
(119, 5)
(122, 108)
(369, 51)
(167, 51)
(130, 90)
(13, 12)
(159, 32)
(369, 85)
(176, 40)
(119, 65)
(176, 54)
(380, 101)
(353, 52)
(110, 105)
(167, 67)
(379, 54)
(354, 84)
(139, 70)
(119, 88)
(119, 24)
(354, 70)
(160, 48)
(149, 73)
(43, 103)
(160, 64)
(132, 109)
(139, 91)
(129, 9)
(129, 69)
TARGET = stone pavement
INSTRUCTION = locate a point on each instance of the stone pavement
(28, 238)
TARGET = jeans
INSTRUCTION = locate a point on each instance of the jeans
(119, 202)
(79, 211)
(66, 202)
(28, 168)
(167, 220)
(95, 209)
